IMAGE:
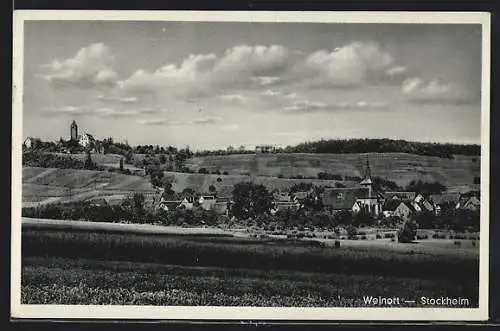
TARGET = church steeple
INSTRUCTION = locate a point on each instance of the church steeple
(367, 180)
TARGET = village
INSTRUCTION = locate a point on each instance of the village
(362, 200)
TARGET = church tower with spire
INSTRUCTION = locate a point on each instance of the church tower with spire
(73, 131)
(367, 180)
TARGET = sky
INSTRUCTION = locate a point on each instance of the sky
(210, 85)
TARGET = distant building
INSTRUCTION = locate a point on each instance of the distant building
(404, 211)
(187, 203)
(73, 131)
(207, 202)
(265, 149)
(399, 195)
(472, 204)
(390, 207)
(440, 200)
(86, 140)
(28, 142)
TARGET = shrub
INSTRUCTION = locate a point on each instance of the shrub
(337, 244)
(378, 236)
(407, 233)
(473, 244)
(457, 243)
(363, 237)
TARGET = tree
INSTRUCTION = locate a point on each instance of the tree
(251, 200)
(121, 164)
(203, 171)
(168, 192)
(212, 189)
(408, 232)
(163, 159)
(89, 165)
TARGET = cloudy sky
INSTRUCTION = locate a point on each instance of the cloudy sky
(210, 85)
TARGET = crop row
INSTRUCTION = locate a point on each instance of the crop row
(245, 253)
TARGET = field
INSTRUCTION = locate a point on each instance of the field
(108, 267)
(57, 185)
(225, 183)
(457, 173)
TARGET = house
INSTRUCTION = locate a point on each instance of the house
(390, 207)
(404, 211)
(301, 195)
(222, 206)
(86, 140)
(399, 196)
(419, 198)
(98, 202)
(187, 203)
(440, 200)
(265, 149)
(28, 142)
(169, 205)
(281, 197)
(207, 202)
(343, 198)
(472, 204)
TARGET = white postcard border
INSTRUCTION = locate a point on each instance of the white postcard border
(19, 310)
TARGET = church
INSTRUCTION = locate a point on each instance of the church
(355, 199)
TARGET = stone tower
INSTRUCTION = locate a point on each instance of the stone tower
(74, 131)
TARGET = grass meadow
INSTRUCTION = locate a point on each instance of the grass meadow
(89, 267)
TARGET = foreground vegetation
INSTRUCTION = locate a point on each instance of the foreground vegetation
(65, 281)
(247, 253)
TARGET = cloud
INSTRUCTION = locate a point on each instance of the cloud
(314, 106)
(306, 105)
(85, 110)
(266, 80)
(90, 67)
(206, 120)
(160, 122)
(201, 74)
(291, 96)
(270, 93)
(198, 121)
(230, 127)
(233, 98)
(352, 65)
(435, 91)
(130, 99)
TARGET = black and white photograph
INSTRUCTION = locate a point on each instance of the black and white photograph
(258, 165)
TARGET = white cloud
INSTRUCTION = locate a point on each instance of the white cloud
(291, 96)
(418, 90)
(199, 74)
(198, 121)
(131, 99)
(159, 122)
(396, 71)
(354, 64)
(306, 105)
(266, 80)
(91, 66)
(270, 93)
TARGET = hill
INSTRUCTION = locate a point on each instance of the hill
(41, 185)
(456, 173)
(225, 183)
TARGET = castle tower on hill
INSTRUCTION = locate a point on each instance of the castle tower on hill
(74, 131)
